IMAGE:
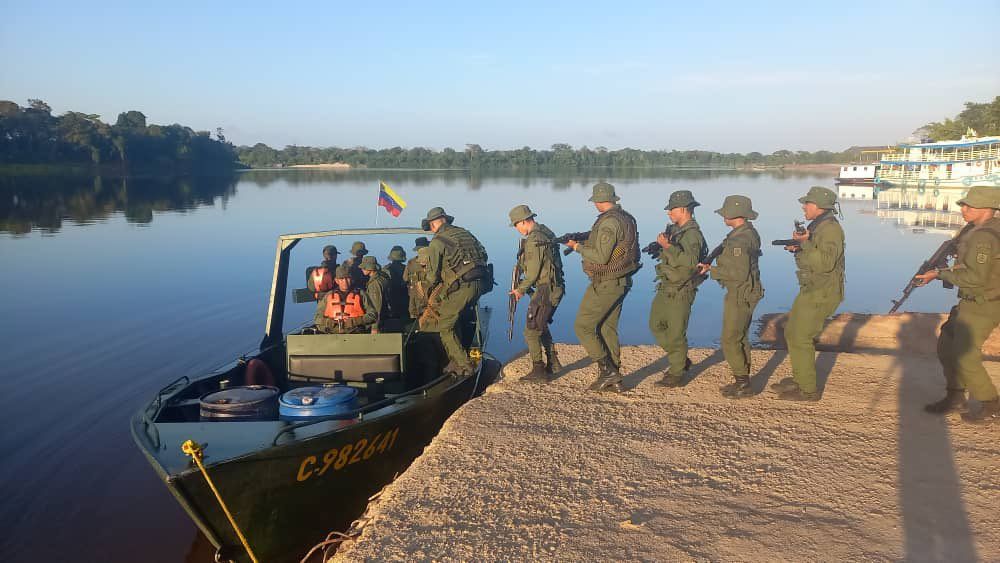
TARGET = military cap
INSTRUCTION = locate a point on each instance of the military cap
(520, 213)
(737, 206)
(397, 253)
(330, 249)
(421, 242)
(982, 197)
(342, 272)
(824, 198)
(435, 213)
(358, 248)
(603, 191)
(369, 263)
(681, 198)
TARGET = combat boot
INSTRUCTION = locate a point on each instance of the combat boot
(738, 389)
(537, 373)
(609, 378)
(458, 370)
(798, 395)
(553, 366)
(989, 412)
(786, 384)
(953, 401)
(671, 379)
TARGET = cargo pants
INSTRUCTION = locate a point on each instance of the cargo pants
(536, 329)
(805, 322)
(960, 345)
(596, 323)
(668, 321)
(737, 313)
(445, 315)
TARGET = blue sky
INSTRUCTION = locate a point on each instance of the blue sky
(739, 76)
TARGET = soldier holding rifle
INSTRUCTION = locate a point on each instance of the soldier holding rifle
(976, 272)
(539, 267)
(610, 258)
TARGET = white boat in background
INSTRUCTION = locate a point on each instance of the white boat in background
(857, 180)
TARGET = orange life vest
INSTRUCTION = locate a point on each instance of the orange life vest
(321, 280)
(348, 307)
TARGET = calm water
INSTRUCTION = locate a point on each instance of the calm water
(110, 289)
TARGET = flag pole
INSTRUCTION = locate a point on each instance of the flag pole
(378, 199)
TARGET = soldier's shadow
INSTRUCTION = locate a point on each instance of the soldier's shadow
(634, 379)
(581, 363)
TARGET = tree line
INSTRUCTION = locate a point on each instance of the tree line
(984, 118)
(32, 135)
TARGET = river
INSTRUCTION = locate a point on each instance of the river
(112, 288)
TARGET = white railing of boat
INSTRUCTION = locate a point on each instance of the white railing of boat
(990, 152)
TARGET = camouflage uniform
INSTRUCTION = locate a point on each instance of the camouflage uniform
(415, 276)
(675, 290)
(376, 293)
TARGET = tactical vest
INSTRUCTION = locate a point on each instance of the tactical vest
(320, 280)
(552, 269)
(826, 281)
(463, 254)
(343, 306)
(991, 289)
(625, 255)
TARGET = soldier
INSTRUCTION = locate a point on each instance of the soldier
(543, 279)
(610, 256)
(398, 297)
(736, 269)
(376, 293)
(679, 257)
(977, 274)
(358, 251)
(319, 279)
(456, 275)
(819, 257)
(341, 310)
(415, 276)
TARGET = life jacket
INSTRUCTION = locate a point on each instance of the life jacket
(343, 306)
(320, 280)
(625, 255)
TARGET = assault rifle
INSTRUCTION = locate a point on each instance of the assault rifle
(800, 228)
(654, 248)
(579, 237)
(939, 259)
(515, 279)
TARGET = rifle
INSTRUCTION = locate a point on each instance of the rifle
(654, 248)
(799, 228)
(939, 259)
(515, 278)
(579, 237)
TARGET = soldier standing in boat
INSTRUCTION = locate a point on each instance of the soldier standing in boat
(415, 276)
(342, 309)
(736, 269)
(398, 296)
(541, 263)
(677, 284)
(610, 258)
(376, 293)
(976, 272)
(457, 275)
(819, 256)
(358, 251)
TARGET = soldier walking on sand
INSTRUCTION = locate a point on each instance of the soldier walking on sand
(819, 257)
(543, 280)
(977, 274)
(610, 257)
(736, 269)
(678, 260)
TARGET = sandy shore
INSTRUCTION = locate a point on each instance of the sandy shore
(554, 472)
(335, 166)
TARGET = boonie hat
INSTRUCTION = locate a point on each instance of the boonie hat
(369, 263)
(520, 213)
(737, 206)
(421, 242)
(397, 253)
(342, 272)
(435, 213)
(681, 198)
(982, 197)
(358, 248)
(824, 198)
(603, 191)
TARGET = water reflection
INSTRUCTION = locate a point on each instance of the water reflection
(45, 202)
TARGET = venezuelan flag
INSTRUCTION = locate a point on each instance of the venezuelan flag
(390, 200)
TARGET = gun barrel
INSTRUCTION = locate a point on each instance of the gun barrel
(786, 242)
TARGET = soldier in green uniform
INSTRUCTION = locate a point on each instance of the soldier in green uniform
(456, 275)
(976, 272)
(736, 269)
(415, 276)
(376, 293)
(610, 258)
(342, 309)
(541, 263)
(819, 257)
(678, 261)
(358, 251)
(398, 304)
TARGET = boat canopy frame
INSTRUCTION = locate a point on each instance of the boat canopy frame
(279, 281)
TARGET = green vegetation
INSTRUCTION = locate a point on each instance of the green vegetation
(560, 156)
(33, 136)
(983, 118)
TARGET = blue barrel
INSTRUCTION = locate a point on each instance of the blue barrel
(309, 402)
(252, 402)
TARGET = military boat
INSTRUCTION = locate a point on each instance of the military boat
(354, 411)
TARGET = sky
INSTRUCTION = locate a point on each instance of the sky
(724, 76)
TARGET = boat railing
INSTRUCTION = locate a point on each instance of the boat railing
(939, 155)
